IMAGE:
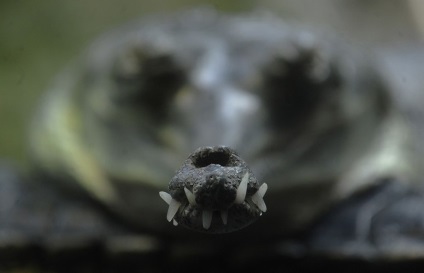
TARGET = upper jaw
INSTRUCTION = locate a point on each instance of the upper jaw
(235, 194)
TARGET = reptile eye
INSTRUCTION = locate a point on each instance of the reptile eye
(147, 77)
(296, 81)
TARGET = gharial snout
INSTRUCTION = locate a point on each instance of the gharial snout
(214, 181)
(217, 191)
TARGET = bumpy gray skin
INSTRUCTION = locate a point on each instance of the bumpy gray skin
(213, 175)
(311, 117)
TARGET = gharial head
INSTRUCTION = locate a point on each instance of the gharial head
(146, 95)
(214, 180)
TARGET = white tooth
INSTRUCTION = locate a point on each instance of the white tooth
(190, 196)
(241, 190)
(174, 222)
(207, 218)
(172, 210)
(262, 189)
(259, 201)
(224, 216)
(166, 197)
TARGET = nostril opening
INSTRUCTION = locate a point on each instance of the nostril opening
(207, 157)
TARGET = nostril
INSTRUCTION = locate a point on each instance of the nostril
(206, 157)
(214, 179)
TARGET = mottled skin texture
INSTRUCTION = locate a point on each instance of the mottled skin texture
(213, 175)
(310, 116)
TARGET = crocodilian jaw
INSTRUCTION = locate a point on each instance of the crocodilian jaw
(207, 215)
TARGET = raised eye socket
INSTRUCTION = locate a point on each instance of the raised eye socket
(147, 77)
(295, 82)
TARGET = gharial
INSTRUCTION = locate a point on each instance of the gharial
(266, 106)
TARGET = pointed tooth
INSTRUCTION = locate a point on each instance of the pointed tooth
(262, 189)
(166, 197)
(190, 196)
(224, 216)
(259, 201)
(172, 210)
(207, 218)
(241, 190)
(174, 222)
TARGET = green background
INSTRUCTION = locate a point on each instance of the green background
(38, 38)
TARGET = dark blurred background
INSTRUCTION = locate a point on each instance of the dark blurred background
(38, 38)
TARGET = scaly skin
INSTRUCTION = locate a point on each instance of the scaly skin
(311, 117)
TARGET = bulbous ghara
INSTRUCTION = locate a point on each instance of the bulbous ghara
(214, 181)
